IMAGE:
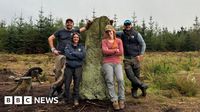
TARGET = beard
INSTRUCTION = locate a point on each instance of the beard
(69, 27)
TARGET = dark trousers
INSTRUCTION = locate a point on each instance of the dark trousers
(132, 69)
(76, 75)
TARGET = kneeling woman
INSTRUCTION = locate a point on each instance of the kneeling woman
(75, 54)
(112, 49)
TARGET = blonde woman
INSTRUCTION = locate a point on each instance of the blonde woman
(112, 49)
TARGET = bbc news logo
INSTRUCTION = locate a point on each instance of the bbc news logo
(27, 100)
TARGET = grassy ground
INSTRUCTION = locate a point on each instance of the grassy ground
(173, 78)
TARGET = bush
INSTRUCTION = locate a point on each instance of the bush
(165, 81)
(159, 66)
(187, 85)
(162, 68)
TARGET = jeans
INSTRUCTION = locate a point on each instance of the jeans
(76, 74)
(111, 69)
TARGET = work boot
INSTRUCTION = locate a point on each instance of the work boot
(134, 93)
(52, 90)
(121, 104)
(116, 105)
(61, 96)
(143, 89)
(76, 103)
(59, 91)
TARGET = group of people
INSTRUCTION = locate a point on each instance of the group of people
(125, 46)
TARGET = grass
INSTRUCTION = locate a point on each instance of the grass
(187, 85)
(161, 70)
(175, 73)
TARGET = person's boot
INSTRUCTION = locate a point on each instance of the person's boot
(52, 91)
(59, 91)
(116, 105)
(76, 102)
(121, 104)
(134, 93)
(61, 96)
(144, 89)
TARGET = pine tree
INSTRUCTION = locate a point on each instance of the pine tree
(2, 24)
(196, 24)
(143, 28)
(134, 19)
(115, 21)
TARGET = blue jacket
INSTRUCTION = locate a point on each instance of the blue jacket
(75, 55)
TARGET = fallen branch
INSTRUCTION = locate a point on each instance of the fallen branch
(82, 108)
(23, 86)
(6, 83)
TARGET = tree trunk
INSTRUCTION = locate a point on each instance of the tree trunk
(93, 85)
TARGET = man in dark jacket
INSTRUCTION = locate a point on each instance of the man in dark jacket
(134, 48)
(75, 54)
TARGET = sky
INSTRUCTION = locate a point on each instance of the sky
(166, 13)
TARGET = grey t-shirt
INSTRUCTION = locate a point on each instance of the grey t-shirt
(63, 37)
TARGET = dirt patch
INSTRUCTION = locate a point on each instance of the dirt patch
(6, 75)
(132, 105)
(9, 58)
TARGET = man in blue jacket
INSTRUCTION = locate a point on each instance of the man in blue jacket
(75, 54)
(134, 48)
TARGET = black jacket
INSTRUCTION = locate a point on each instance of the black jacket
(130, 43)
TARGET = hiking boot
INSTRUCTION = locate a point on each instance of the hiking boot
(116, 105)
(143, 89)
(76, 103)
(121, 104)
(61, 96)
(134, 93)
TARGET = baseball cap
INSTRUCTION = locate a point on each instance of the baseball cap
(127, 22)
(109, 27)
(69, 19)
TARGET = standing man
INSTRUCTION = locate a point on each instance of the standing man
(63, 38)
(134, 48)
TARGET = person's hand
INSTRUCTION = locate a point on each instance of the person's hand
(88, 24)
(140, 58)
(117, 51)
(111, 22)
(54, 51)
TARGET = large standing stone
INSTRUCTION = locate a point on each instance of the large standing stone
(93, 84)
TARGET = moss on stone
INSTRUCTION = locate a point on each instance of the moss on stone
(93, 85)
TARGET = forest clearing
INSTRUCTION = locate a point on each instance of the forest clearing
(173, 79)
